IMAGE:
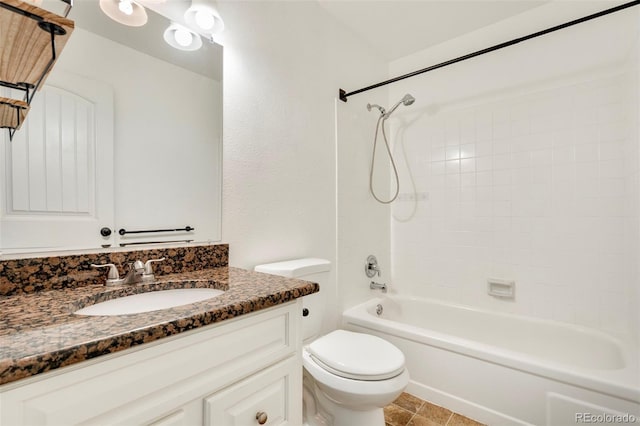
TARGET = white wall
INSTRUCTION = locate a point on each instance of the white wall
(521, 157)
(284, 63)
(167, 136)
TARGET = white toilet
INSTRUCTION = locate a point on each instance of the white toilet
(348, 377)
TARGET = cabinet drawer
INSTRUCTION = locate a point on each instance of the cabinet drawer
(177, 418)
(274, 393)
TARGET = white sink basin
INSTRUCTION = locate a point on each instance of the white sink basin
(151, 301)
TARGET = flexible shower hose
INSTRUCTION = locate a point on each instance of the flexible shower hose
(382, 119)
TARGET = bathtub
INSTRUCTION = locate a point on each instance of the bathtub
(507, 369)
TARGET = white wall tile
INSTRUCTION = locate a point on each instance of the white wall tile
(452, 153)
(438, 153)
(452, 166)
(483, 148)
(538, 188)
(501, 161)
(587, 152)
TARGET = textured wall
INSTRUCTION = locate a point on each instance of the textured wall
(284, 64)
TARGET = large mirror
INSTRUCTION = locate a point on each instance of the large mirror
(126, 135)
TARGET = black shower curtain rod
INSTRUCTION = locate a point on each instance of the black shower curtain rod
(344, 95)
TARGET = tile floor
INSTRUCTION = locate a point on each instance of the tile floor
(409, 410)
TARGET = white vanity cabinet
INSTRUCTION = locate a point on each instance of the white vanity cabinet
(237, 372)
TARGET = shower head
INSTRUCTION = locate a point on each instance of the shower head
(406, 101)
(369, 106)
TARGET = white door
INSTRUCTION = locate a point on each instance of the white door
(57, 178)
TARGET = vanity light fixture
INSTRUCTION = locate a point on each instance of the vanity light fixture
(203, 17)
(181, 37)
(126, 12)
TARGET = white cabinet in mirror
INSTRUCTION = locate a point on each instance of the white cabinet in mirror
(127, 133)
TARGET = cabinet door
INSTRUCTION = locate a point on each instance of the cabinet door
(274, 394)
(57, 186)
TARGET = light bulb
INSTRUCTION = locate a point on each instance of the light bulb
(183, 37)
(125, 7)
(205, 19)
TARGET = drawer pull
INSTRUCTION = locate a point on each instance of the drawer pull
(261, 417)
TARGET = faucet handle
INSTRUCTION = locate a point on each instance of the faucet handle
(113, 276)
(371, 268)
(148, 267)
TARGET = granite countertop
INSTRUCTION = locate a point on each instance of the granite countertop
(39, 332)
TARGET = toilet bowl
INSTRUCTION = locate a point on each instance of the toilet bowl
(353, 376)
(348, 377)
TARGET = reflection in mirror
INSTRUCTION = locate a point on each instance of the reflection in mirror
(126, 134)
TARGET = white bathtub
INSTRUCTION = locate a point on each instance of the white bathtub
(507, 369)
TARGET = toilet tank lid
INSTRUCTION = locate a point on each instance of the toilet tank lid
(295, 268)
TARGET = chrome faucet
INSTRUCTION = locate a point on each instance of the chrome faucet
(376, 286)
(134, 275)
(138, 273)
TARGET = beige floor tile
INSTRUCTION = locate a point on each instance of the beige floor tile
(421, 421)
(409, 410)
(396, 416)
(409, 402)
(460, 420)
(438, 415)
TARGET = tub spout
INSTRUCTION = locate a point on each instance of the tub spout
(376, 286)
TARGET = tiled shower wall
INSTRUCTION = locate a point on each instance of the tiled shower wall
(540, 188)
(360, 217)
(632, 189)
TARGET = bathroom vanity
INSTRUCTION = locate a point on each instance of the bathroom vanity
(232, 359)
(228, 372)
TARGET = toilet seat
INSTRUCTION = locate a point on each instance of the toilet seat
(357, 356)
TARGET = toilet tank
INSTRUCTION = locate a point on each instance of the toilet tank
(309, 269)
